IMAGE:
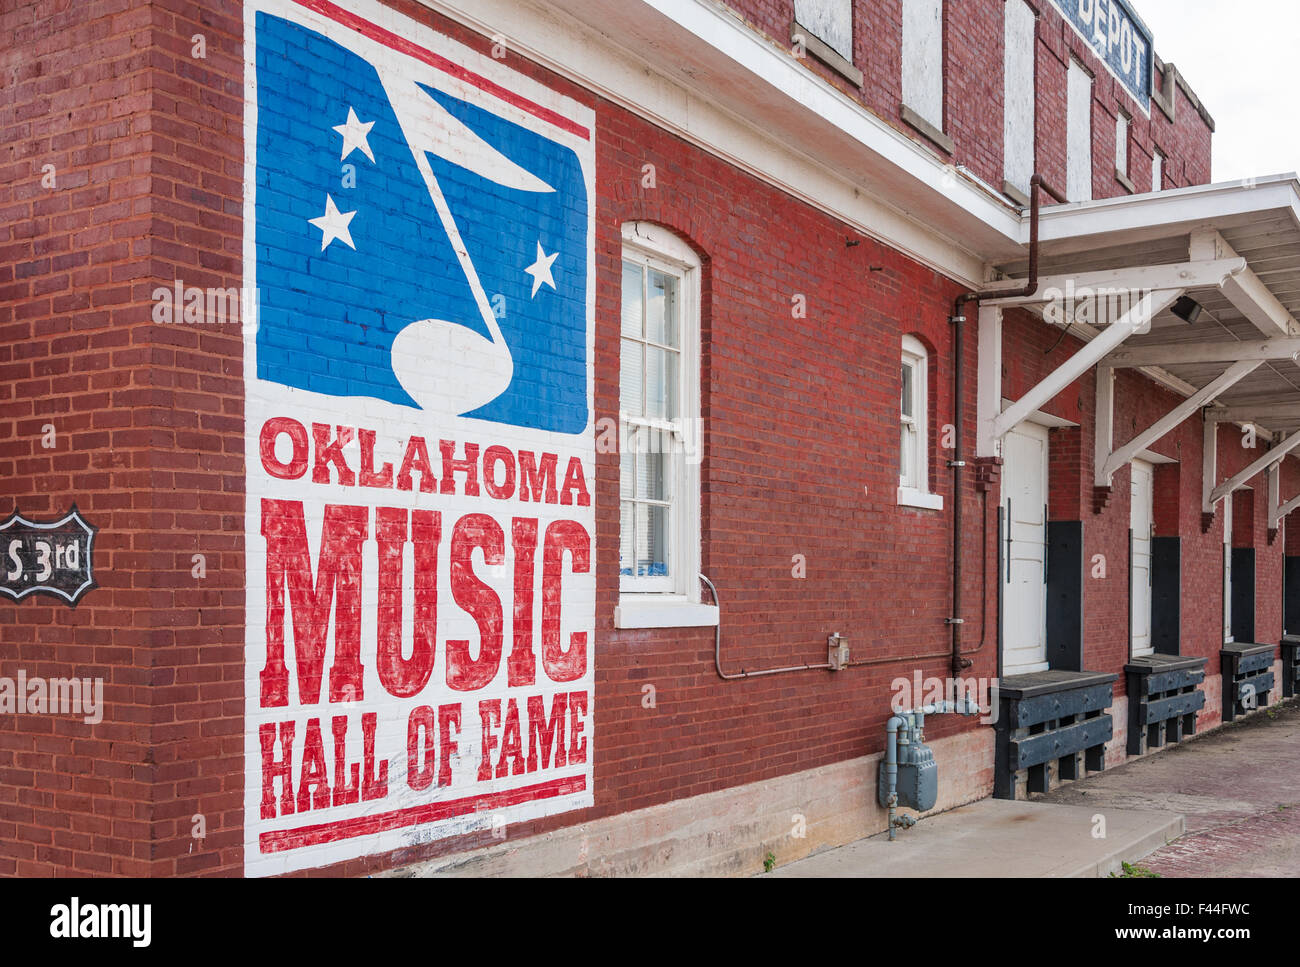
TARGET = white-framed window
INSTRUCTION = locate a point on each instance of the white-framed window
(914, 429)
(660, 438)
(1157, 170)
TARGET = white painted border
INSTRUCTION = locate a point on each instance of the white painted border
(379, 412)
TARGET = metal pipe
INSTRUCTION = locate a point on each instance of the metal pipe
(717, 652)
(891, 767)
(911, 724)
(717, 648)
(1037, 184)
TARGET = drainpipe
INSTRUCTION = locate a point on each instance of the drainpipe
(1036, 184)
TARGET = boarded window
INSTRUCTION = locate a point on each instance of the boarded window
(923, 59)
(831, 21)
(1121, 143)
(1078, 145)
(1018, 90)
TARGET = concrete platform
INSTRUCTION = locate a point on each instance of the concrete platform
(1001, 838)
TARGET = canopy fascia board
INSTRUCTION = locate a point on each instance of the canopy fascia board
(1084, 226)
(1201, 274)
(1246, 413)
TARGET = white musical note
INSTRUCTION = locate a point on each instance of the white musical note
(443, 365)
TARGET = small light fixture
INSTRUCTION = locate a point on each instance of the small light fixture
(1186, 309)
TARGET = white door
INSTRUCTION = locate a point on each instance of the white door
(1141, 521)
(1227, 568)
(1024, 567)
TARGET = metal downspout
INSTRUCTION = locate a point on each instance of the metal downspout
(1036, 184)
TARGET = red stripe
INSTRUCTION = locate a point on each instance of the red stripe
(390, 39)
(431, 812)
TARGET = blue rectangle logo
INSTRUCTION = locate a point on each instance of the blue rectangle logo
(1119, 38)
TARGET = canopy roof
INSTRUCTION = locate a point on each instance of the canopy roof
(1146, 241)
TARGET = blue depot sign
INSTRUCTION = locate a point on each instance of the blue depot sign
(1119, 37)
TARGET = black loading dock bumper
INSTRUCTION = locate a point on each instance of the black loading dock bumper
(1164, 696)
(1050, 717)
(1247, 677)
(1290, 666)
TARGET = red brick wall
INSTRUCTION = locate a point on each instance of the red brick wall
(800, 453)
(973, 92)
(973, 88)
(198, 459)
(800, 458)
(1139, 402)
(75, 358)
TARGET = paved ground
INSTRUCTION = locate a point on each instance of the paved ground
(997, 837)
(1229, 800)
(1237, 787)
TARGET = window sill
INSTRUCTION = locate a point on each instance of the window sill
(825, 53)
(909, 497)
(923, 127)
(663, 611)
(1126, 181)
(1015, 194)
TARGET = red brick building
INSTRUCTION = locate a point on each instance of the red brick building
(594, 299)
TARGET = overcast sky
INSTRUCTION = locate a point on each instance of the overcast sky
(1240, 58)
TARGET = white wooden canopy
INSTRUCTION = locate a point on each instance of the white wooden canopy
(1234, 249)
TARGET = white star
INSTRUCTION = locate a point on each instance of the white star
(334, 224)
(354, 136)
(541, 269)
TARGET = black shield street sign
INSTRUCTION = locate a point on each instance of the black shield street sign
(47, 557)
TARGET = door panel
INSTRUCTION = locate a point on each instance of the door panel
(1141, 522)
(1024, 593)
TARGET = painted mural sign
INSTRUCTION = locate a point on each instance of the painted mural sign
(1119, 38)
(54, 557)
(421, 584)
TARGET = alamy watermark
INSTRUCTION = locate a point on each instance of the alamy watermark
(1097, 306)
(53, 696)
(916, 692)
(213, 305)
(76, 920)
(683, 436)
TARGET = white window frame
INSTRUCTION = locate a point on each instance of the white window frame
(914, 488)
(673, 601)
